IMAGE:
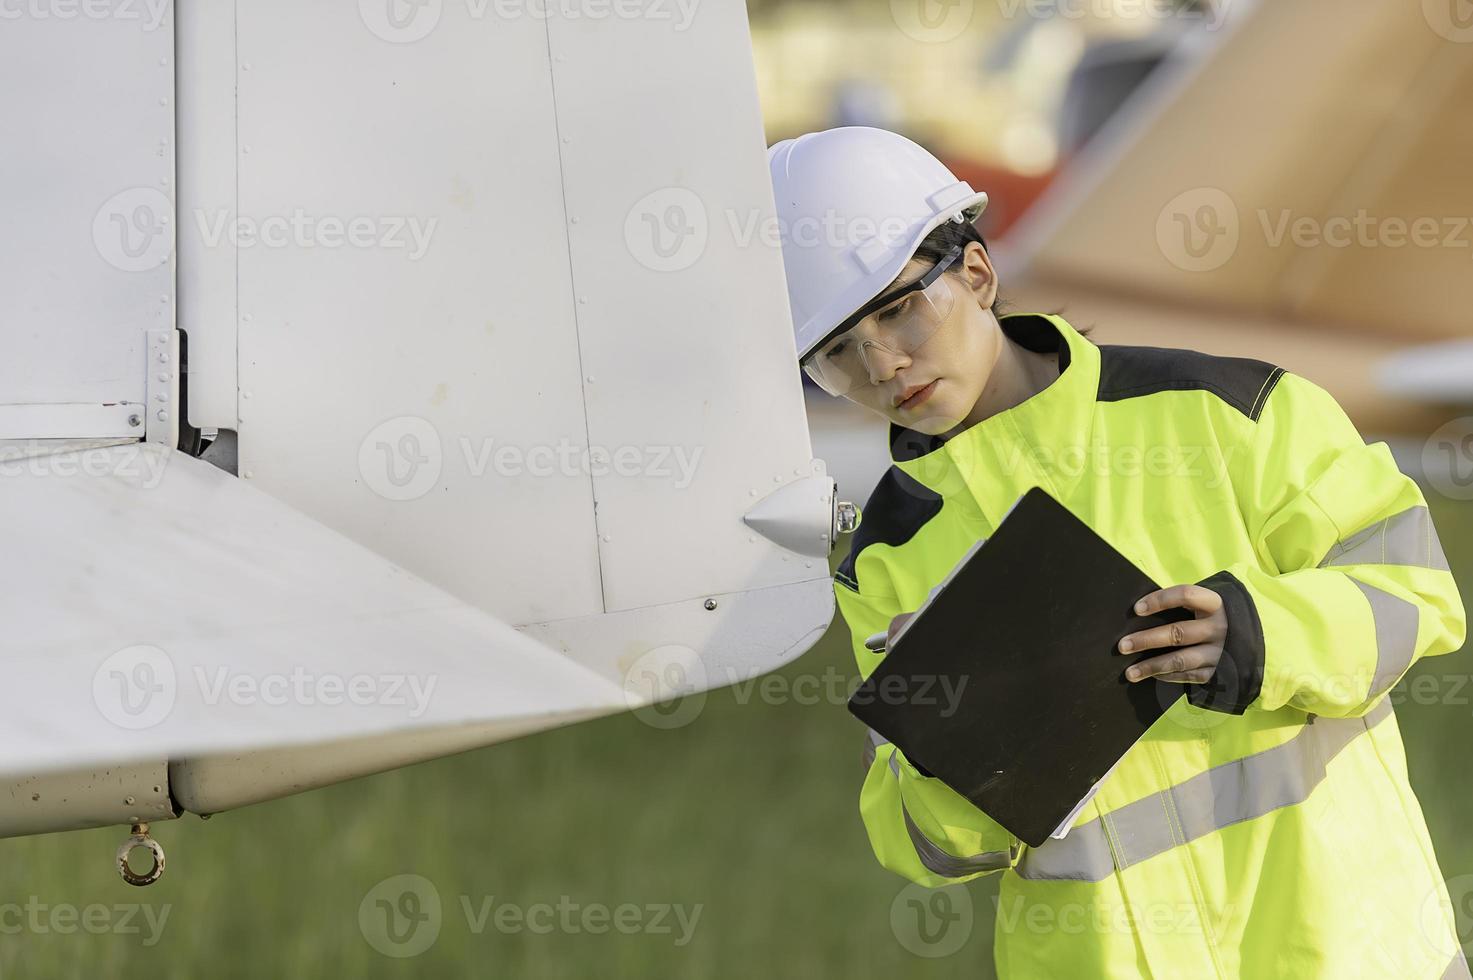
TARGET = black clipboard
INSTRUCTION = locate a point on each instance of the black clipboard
(1007, 684)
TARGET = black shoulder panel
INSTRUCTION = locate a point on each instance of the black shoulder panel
(897, 508)
(1128, 372)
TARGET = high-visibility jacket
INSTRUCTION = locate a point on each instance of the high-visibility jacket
(1264, 827)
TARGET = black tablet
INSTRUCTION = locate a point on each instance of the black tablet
(1007, 685)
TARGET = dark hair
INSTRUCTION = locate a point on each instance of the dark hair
(949, 234)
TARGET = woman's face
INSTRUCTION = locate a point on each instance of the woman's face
(959, 357)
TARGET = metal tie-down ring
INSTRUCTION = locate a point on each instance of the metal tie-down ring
(140, 838)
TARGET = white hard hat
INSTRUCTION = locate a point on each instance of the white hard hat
(853, 204)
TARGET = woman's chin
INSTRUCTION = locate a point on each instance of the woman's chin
(932, 423)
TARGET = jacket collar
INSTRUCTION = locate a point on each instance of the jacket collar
(1042, 441)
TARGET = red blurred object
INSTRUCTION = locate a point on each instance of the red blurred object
(1009, 193)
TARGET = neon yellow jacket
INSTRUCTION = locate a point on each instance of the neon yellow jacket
(1264, 827)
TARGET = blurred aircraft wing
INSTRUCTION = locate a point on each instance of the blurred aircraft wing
(1439, 373)
(1259, 195)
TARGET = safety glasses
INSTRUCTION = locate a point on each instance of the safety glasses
(898, 322)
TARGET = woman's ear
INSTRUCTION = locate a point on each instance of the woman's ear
(976, 268)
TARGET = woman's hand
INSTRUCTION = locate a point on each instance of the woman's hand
(1201, 639)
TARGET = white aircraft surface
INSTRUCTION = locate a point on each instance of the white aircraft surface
(378, 381)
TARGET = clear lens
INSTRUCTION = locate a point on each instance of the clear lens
(845, 362)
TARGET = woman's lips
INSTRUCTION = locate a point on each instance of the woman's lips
(918, 397)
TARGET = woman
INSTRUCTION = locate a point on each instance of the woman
(1264, 827)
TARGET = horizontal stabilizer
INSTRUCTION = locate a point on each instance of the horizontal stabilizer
(157, 607)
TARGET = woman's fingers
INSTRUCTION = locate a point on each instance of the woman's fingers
(1169, 635)
(1187, 660)
(1197, 598)
(1199, 676)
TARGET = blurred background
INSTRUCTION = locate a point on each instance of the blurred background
(1288, 182)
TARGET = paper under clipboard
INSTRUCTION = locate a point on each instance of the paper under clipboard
(1024, 630)
(1062, 830)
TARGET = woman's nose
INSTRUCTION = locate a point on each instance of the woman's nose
(882, 363)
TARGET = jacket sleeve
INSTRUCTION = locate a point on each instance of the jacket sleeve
(1350, 586)
(918, 826)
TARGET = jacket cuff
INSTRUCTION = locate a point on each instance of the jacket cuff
(1238, 680)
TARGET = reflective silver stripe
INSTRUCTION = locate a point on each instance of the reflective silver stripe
(1235, 791)
(1457, 968)
(932, 856)
(938, 861)
(1408, 538)
(872, 741)
(1396, 636)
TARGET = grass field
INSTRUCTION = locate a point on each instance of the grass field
(577, 852)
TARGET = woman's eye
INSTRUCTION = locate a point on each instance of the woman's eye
(837, 350)
(890, 312)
